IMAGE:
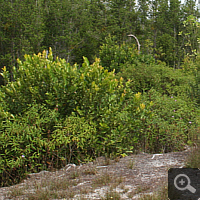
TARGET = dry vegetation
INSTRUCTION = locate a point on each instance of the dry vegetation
(142, 176)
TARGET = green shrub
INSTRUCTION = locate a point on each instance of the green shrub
(193, 67)
(74, 140)
(121, 126)
(90, 92)
(24, 143)
(113, 56)
(54, 113)
(173, 124)
(57, 112)
(40, 140)
(195, 88)
(158, 76)
(41, 80)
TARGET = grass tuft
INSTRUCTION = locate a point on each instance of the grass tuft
(111, 195)
(193, 160)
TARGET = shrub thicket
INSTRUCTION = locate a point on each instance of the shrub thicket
(162, 78)
(114, 56)
(54, 113)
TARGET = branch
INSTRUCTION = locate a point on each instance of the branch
(136, 41)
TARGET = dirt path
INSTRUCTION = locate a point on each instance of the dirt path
(127, 177)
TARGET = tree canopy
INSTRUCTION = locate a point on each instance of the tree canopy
(74, 29)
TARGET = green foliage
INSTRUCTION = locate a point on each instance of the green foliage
(60, 86)
(40, 140)
(165, 52)
(173, 124)
(89, 102)
(193, 67)
(24, 143)
(196, 88)
(74, 140)
(114, 56)
(21, 29)
(76, 29)
(158, 76)
(54, 113)
(121, 18)
(90, 92)
(190, 34)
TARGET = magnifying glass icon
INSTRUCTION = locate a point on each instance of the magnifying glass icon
(182, 182)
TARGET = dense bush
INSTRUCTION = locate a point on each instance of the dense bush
(193, 67)
(54, 113)
(114, 56)
(173, 124)
(90, 103)
(40, 140)
(158, 76)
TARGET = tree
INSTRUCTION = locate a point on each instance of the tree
(121, 18)
(21, 30)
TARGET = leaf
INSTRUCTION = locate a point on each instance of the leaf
(86, 61)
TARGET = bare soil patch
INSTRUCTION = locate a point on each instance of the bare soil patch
(123, 178)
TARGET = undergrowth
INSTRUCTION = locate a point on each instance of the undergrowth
(53, 114)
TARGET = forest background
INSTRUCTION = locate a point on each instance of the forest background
(57, 108)
(74, 29)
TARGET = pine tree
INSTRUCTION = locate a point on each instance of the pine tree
(121, 18)
(21, 30)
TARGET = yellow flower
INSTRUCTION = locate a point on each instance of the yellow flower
(97, 60)
(142, 106)
(137, 96)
